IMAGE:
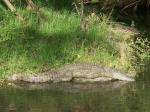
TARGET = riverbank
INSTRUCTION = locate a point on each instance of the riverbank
(52, 37)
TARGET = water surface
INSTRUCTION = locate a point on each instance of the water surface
(109, 97)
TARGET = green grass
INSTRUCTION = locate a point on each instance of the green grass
(52, 37)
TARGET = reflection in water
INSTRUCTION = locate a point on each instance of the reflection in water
(128, 97)
(12, 107)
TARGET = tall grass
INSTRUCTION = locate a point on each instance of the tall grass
(52, 37)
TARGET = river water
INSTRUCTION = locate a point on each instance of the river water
(108, 97)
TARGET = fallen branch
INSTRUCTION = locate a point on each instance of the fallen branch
(12, 9)
(9, 5)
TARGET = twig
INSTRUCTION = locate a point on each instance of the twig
(90, 2)
(31, 5)
(130, 5)
(76, 7)
(82, 15)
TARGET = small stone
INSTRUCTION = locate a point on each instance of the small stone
(10, 84)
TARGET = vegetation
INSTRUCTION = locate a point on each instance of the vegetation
(52, 37)
(141, 49)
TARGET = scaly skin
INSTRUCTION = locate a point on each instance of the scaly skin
(73, 73)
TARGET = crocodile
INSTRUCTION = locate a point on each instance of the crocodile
(73, 73)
